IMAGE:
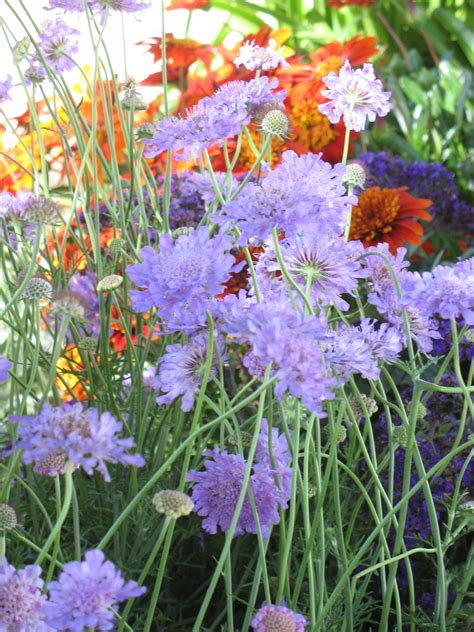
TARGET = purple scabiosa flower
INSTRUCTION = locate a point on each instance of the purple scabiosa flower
(5, 87)
(21, 600)
(67, 5)
(85, 592)
(84, 436)
(5, 366)
(217, 489)
(58, 44)
(325, 266)
(275, 454)
(255, 57)
(379, 274)
(290, 342)
(181, 371)
(212, 119)
(125, 6)
(448, 291)
(360, 349)
(278, 619)
(302, 194)
(429, 180)
(182, 278)
(84, 286)
(356, 95)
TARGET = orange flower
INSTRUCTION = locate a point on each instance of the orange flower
(187, 4)
(389, 215)
(70, 380)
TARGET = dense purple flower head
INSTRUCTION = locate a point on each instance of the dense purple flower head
(182, 278)
(21, 599)
(58, 44)
(360, 349)
(430, 180)
(128, 6)
(181, 370)
(15, 206)
(328, 266)
(85, 592)
(5, 366)
(302, 194)
(217, 489)
(212, 119)
(275, 454)
(84, 285)
(448, 291)
(356, 95)
(442, 345)
(254, 57)
(84, 436)
(5, 87)
(278, 619)
(277, 334)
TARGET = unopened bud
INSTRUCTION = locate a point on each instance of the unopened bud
(399, 433)
(109, 283)
(355, 175)
(173, 503)
(275, 123)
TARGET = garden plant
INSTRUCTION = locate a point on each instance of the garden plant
(237, 319)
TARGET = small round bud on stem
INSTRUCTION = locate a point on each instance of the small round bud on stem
(37, 289)
(275, 123)
(172, 503)
(109, 283)
(8, 518)
(355, 175)
(400, 435)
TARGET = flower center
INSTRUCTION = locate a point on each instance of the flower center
(312, 129)
(278, 622)
(374, 214)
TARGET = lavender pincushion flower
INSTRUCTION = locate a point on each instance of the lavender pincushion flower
(290, 342)
(302, 194)
(272, 618)
(128, 6)
(212, 119)
(326, 266)
(84, 436)
(85, 592)
(356, 95)
(58, 44)
(182, 278)
(181, 371)
(255, 57)
(5, 366)
(217, 490)
(21, 599)
(5, 87)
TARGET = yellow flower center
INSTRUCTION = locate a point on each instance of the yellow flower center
(311, 128)
(374, 214)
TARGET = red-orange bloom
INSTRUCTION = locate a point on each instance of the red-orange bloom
(389, 215)
(187, 4)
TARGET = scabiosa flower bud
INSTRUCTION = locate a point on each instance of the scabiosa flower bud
(355, 175)
(69, 304)
(8, 518)
(145, 130)
(400, 435)
(41, 210)
(117, 245)
(275, 123)
(21, 599)
(357, 408)
(278, 619)
(469, 335)
(246, 438)
(420, 410)
(35, 73)
(109, 283)
(37, 289)
(173, 503)
(87, 343)
(20, 50)
(134, 102)
(312, 490)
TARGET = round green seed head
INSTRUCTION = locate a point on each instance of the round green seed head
(275, 123)
(8, 518)
(109, 283)
(37, 289)
(173, 503)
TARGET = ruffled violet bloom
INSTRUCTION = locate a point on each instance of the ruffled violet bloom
(5, 366)
(182, 278)
(278, 619)
(70, 431)
(255, 57)
(303, 193)
(213, 118)
(5, 87)
(102, 6)
(217, 489)
(58, 44)
(181, 371)
(85, 592)
(356, 95)
(21, 599)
